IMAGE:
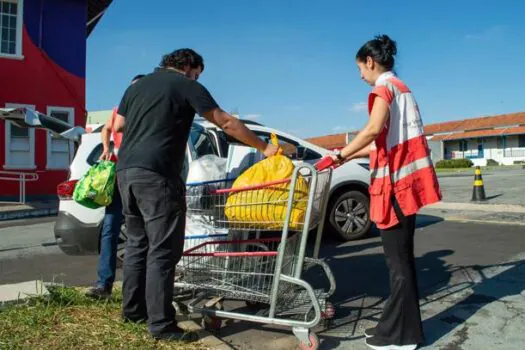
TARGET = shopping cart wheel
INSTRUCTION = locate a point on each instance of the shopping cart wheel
(329, 311)
(314, 342)
(211, 323)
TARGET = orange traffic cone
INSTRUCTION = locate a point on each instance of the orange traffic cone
(478, 193)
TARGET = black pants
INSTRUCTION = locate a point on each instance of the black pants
(400, 323)
(155, 211)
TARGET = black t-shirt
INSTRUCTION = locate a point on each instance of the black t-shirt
(159, 110)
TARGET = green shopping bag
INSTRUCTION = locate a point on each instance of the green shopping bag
(95, 189)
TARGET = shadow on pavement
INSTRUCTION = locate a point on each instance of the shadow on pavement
(494, 197)
(493, 285)
(366, 276)
(427, 220)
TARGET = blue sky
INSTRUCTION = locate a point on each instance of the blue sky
(290, 64)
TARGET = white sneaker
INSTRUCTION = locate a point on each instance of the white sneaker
(377, 344)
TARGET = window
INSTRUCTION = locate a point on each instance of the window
(521, 141)
(202, 143)
(60, 150)
(11, 21)
(291, 149)
(19, 144)
(501, 142)
(95, 154)
(463, 145)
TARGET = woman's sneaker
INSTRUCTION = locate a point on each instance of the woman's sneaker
(370, 332)
(378, 344)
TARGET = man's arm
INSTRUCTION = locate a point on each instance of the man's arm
(202, 101)
(235, 128)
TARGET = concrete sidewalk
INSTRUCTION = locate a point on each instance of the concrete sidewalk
(481, 307)
(503, 214)
(15, 211)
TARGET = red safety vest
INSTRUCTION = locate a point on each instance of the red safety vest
(400, 162)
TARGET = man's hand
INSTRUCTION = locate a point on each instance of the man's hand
(271, 150)
(106, 155)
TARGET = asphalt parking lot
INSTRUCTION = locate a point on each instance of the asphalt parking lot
(501, 186)
(466, 272)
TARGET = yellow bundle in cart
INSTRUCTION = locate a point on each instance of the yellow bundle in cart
(262, 195)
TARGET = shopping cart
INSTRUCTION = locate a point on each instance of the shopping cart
(266, 273)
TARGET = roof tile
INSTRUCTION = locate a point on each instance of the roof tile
(512, 119)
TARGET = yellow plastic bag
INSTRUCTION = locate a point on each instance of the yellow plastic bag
(265, 208)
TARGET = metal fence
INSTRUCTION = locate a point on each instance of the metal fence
(22, 179)
(514, 152)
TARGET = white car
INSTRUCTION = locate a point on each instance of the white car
(348, 208)
(77, 228)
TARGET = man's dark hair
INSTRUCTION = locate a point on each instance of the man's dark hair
(137, 77)
(181, 58)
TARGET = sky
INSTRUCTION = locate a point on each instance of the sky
(291, 64)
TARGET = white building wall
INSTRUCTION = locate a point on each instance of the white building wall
(492, 149)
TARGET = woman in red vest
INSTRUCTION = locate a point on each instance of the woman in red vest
(403, 180)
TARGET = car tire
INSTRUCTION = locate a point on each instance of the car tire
(349, 216)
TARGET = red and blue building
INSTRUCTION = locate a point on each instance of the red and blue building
(42, 66)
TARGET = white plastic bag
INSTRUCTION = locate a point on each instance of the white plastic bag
(207, 168)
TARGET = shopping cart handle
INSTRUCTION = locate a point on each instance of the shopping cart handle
(325, 163)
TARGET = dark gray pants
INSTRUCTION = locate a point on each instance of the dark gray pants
(155, 211)
(400, 323)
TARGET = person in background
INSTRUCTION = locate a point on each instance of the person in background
(109, 235)
(403, 180)
(156, 114)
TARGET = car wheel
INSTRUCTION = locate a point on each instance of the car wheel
(350, 215)
(121, 245)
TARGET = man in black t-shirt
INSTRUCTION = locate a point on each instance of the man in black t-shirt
(156, 115)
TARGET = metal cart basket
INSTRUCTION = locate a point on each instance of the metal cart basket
(266, 273)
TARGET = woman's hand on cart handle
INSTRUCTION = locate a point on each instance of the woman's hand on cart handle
(338, 158)
(325, 163)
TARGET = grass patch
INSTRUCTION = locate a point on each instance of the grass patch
(483, 169)
(453, 170)
(66, 319)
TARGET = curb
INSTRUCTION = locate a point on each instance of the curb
(27, 213)
(484, 207)
(494, 214)
(488, 222)
(205, 338)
